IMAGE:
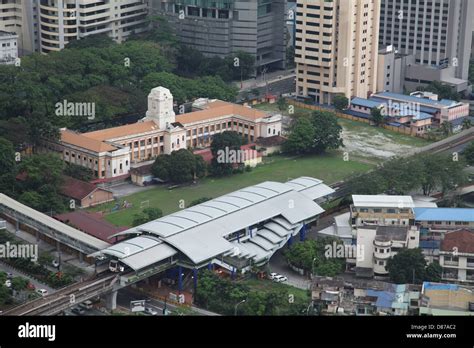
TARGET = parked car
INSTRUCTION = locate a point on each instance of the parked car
(78, 311)
(272, 275)
(42, 292)
(55, 263)
(9, 275)
(150, 311)
(280, 279)
(31, 286)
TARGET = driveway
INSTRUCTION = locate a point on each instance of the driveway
(8, 269)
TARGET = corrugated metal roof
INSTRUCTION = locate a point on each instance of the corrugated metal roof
(444, 214)
(200, 232)
(384, 201)
(54, 224)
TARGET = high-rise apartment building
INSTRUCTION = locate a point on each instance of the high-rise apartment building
(20, 17)
(223, 27)
(438, 33)
(336, 48)
(62, 21)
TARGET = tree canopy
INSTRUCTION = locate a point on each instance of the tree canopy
(181, 166)
(409, 265)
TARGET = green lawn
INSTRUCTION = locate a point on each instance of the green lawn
(330, 168)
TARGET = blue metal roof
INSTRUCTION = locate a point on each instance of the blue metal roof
(409, 98)
(444, 214)
(423, 108)
(357, 114)
(439, 286)
(366, 103)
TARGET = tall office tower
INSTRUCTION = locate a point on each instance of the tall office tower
(223, 27)
(336, 48)
(20, 17)
(438, 33)
(63, 21)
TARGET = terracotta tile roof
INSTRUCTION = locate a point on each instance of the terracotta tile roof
(462, 241)
(76, 189)
(220, 108)
(91, 223)
(121, 131)
(79, 140)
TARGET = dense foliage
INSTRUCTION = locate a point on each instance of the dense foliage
(410, 266)
(313, 253)
(180, 167)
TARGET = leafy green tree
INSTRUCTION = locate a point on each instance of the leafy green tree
(282, 104)
(312, 253)
(180, 167)
(340, 102)
(301, 137)
(406, 265)
(434, 272)
(468, 153)
(161, 167)
(78, 172)
(377, 116)
(7, 167)
(221, 143)
(466, 124)
(327, 131)
(442, 90)
(19, 283)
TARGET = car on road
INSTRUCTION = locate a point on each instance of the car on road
(86, 305)
(272, 275)
(150, 311)
(55, 263)
(78, 311)
(280, 279)
(42, 292)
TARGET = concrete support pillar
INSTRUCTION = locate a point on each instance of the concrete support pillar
(81, 257)
(58, 250)
(303, 233)
(290, 241)
(17, 226)
(180, 278)
(37, 236)
(195, 279)
(111, 300)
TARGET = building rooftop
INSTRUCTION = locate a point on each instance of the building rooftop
(444, 214)
(79, 140)
(77, 189)
(461, 241)
(122, 131)
(391, 233)
(219, 108)
(202, 232)
(432, 103)
(382, 201)
(368, 103)
(91, 223)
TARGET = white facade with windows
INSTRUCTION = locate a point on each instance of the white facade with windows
(8, 48)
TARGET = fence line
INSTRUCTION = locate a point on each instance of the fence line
(402, 129)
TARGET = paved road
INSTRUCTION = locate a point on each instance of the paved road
(8, 269)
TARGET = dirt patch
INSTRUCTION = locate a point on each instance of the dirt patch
(372, 145)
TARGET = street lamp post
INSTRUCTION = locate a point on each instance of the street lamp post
(235, 308)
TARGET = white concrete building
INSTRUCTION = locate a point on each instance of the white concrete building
(456, 256)
(380, 243)
(20, 17)
(8, 47)
(62, 21)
